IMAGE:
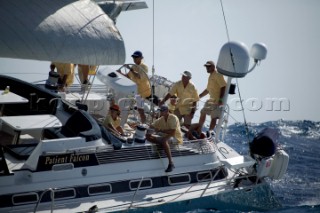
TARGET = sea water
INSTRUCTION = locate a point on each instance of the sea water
(299, 189)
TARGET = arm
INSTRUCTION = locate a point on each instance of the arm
(116, 130)
(165, 99)
(194, 104)
(204, 93)
(119, 129)
(126, 75)
(169, 132)
(136, 74)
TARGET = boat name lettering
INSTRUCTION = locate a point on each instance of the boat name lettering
(72, 158)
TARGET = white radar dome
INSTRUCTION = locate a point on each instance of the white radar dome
(258, 51)
(233, 60)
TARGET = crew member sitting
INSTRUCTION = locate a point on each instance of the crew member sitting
(112, 121)
(166, 127)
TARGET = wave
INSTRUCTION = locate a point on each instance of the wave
(300, 187)
(287, 128)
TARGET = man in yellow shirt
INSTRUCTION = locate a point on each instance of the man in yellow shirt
(215, 88)
(187, 98)
(138, 73)
(167, 126)
(66, 72)
(112, 121)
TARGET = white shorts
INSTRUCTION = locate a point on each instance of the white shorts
(139, 101)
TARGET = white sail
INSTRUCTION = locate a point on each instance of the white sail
(65, 31)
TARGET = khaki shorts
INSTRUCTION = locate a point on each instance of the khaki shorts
(159, 138)
(186, 118)
(212, 109)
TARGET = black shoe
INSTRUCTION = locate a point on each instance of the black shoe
(170, 168)
(86, 82)
(210, 133)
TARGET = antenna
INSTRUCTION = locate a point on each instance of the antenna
(233, 62)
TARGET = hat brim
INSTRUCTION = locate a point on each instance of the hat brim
(164, 110)
(136, 56)
(185, 75)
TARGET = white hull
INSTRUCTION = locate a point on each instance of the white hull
(83, 172)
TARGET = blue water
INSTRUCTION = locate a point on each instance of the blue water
(299, 190)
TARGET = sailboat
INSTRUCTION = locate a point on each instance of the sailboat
(55, 155)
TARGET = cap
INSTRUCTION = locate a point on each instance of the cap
(137, 54)
(163, 108)
(208, 64)
(115, 107)
(187, 74)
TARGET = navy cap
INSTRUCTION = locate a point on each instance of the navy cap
(137, 54)
(163, 108)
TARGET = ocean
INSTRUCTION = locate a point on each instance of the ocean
(299, 190)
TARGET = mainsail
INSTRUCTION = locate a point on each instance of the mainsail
(67, 31)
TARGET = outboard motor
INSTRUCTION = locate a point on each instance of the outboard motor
(264, 144)
(272, 162)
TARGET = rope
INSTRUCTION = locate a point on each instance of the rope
(225, 21)
(179, 195)
(134, 195)
(52, 199)
(85, 95)
(243, 114)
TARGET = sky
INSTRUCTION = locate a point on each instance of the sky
(179, 35)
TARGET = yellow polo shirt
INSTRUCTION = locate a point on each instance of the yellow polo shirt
(186, 95)
(143, 84)
(171, 107)
(215, 83)
(65, 69)
(114, 123)
(171, 123)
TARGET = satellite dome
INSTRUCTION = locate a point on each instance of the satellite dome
(258, 51)
(233, 60)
